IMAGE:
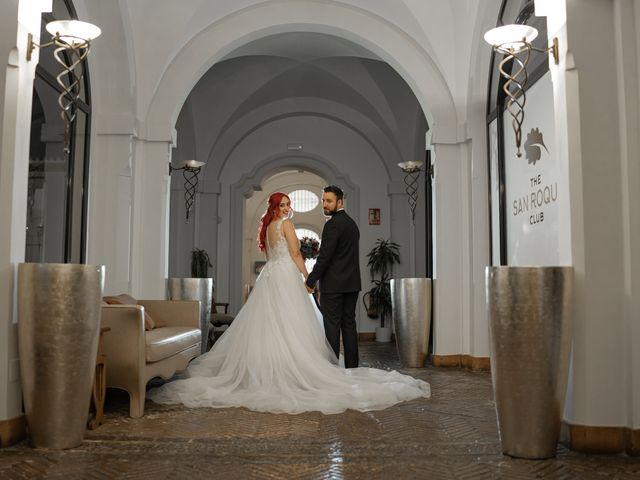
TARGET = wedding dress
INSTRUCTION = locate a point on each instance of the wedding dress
(274, 357)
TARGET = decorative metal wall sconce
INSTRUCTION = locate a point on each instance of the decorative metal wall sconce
(514, 42)
(190, 170)
(412, 170)
(73, 40)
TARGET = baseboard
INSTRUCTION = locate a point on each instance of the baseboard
(12, 431)
(603, 440)
(464, 361)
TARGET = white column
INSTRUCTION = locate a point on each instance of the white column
(450, 299)
(129, 213)
(461, 246)
(593, 113)
(479, 245)
(150, 228)
(110, 209)
(627, 28)
(16, 90)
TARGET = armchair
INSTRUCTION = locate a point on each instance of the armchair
(135, 356)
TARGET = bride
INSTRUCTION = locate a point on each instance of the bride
(274, 357)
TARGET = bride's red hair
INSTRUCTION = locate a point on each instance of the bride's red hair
(270, 214)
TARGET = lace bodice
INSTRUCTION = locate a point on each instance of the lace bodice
(278, 251)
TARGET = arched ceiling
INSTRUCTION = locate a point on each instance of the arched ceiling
(153, 52)
(300, 75)
(302, 47)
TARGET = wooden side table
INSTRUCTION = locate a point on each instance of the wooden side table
(99, 385)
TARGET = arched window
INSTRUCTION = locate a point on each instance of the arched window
(58, 185)
(303, 200)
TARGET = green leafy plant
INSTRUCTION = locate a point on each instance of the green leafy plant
(382, 257)
(200, 263)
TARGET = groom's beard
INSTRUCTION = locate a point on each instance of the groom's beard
(330, 213)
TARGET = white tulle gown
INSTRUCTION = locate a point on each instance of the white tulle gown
(274, 357)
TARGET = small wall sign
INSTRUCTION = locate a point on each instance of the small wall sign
(374, 216)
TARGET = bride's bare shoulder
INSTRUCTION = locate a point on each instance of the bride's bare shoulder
(288, 225)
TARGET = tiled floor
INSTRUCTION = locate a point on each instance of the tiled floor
(452, 435)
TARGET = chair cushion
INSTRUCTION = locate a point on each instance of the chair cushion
(221, 319)
(124, 299)
(163, 342)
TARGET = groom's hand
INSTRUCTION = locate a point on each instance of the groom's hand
(309, 289)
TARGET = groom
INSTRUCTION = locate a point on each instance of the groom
(338, 270)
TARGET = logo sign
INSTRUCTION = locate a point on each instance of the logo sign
(540, 194)
(533, 146)
(536, 189)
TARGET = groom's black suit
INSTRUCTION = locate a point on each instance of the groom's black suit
(338, 270)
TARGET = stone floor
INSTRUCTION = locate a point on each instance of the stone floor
(452, 435)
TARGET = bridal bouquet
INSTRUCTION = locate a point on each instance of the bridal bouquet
(309, 247)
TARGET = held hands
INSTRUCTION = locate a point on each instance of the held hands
(313, 291)
(309, 289)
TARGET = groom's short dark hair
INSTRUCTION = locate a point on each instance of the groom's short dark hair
(337, 191)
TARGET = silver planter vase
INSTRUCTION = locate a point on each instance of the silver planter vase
(411, 307)
(194, 289)
(58, 331)
(530, 322)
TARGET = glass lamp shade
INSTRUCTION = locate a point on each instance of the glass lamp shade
(192, 164)
(511, 37)
(411, 166)
(73, 32)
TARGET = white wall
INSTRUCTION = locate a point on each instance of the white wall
(16, 90)
(597, 124)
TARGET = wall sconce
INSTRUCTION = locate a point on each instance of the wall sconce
(412, 169)
(72, 39)
(190, 170)
(514, 42)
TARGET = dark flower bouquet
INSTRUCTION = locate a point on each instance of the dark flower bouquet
(309, 247)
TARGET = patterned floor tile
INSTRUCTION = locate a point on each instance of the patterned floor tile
(452, 435)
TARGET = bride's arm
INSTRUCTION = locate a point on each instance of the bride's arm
(294, 246)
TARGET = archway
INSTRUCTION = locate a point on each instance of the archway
(376, 34)
(408, 58)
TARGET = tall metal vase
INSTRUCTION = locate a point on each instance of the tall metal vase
(411, 307)
(194, 289)
(58, 331)
(530, 324)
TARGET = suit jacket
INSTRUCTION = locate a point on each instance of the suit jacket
(338, 264)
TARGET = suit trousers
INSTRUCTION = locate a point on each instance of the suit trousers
(339, 316)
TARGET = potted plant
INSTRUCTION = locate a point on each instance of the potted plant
(200, 263)
(382, 257)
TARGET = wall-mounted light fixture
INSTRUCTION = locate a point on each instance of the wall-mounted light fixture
(190, 170)
(514, 42)
(412, 170)
(72, 39)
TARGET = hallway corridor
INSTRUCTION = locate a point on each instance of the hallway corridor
(452, 435)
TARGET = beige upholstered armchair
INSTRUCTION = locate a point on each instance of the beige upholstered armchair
(135, 355)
